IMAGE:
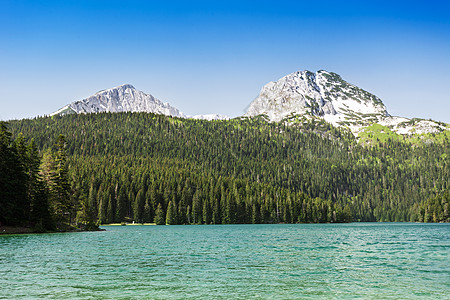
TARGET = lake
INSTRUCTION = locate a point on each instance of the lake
(356, 260)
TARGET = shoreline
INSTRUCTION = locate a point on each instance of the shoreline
(10, 230)
(129, 224)
(15, 230)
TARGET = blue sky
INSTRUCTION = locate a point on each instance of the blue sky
(214, 56)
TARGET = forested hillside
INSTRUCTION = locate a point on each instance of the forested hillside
(35, 191)
(154, 168)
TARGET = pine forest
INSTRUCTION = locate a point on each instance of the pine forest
(90, 169)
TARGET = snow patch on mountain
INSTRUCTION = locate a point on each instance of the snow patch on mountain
(407, 126)
(210, 117)
(64, 111)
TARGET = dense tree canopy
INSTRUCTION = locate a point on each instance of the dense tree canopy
(35, 192)
(153, 168)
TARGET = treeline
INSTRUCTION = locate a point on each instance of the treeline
(270, 172)
(167, 191)
(436, 209)
(34, 189)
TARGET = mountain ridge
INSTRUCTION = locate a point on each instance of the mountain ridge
(314, 95)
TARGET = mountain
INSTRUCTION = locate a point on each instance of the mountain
(320, 95)
(119, 99)
(127, 98)
(326, 95)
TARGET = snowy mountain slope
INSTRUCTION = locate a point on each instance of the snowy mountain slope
(326, 95)
(122, 98)
(210, 117)
(402, 125)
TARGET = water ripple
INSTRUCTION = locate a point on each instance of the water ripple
(358, 260)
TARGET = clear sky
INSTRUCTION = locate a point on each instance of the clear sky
(214, 56)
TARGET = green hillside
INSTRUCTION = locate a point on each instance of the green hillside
(153, 168)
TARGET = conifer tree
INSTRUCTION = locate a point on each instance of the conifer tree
(139, 204)
(12, 180)
(41, 215)
(86, 215)
(171, 216)
(159, 215)
(206, 212)
(61, 189)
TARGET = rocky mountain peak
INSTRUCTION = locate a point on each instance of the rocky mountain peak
(322, 93)
(327, 96)
(120, 99)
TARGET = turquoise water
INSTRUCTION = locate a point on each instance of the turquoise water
(358, 260)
